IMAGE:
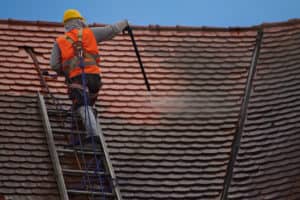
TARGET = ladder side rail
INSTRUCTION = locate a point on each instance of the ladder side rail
(108, 162)
(52, 150)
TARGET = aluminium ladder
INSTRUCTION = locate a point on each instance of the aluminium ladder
(82, 170)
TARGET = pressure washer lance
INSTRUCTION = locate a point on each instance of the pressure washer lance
(159, 103)
(130, 32)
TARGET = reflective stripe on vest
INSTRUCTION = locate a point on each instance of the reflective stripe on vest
(70, 61)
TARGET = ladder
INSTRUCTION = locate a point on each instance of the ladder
(82, 169)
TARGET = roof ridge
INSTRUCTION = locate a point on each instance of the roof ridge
(159, 27)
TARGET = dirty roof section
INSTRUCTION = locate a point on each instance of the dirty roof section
(175, 142)
(25, 167)
(269, 158)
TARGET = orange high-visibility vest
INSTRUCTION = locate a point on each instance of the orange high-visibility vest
(70, 61)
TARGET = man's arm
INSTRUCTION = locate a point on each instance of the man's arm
(55, 59)
(109, 31)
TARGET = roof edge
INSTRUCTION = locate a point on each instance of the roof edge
(11, 21)
(157, 27)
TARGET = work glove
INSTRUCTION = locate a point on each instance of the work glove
(122, 25)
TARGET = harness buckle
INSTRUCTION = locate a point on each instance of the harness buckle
(78, 50)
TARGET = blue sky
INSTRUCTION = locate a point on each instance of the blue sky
(220, 13)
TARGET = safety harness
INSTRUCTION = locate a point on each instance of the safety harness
(81, 59)
(89, 59)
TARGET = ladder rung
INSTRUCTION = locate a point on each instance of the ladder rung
(82, 151)
(60, 112)
(78, 171)
(89, 192)
(66, 116)
(63, 112)
(68, 120)
(85, 147)
(67, 131)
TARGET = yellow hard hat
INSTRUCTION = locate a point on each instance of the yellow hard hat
(72, 14)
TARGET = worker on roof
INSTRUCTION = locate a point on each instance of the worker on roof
(64, 60)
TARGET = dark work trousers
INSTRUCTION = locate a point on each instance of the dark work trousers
(93, 84)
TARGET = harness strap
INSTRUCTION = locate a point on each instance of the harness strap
(88, 58)
(80, 35)
(69, 39)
